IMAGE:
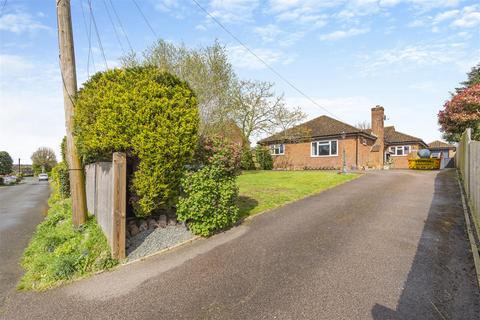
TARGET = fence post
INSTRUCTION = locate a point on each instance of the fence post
(119, 204)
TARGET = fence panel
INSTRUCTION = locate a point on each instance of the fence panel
(468, 163)
(105, 183)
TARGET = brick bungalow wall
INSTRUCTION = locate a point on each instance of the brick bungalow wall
(297, 156)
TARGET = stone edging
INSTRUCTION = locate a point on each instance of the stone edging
(471, 236)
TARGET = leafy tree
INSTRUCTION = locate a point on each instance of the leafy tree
(6, 163)
(257, 110)
(206, 70)
(149, 114)
(264, 158)
(460, 113)
(43, 159)
(473, 77)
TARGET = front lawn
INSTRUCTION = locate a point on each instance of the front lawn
(265, 190)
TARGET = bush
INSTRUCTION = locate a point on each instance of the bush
(150, 115)
(210, 194)
(247, 160)
(57, 252)
(61, 179)
(263, 158)
(6, 162)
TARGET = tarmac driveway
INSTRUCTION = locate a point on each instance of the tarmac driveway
(389, 245)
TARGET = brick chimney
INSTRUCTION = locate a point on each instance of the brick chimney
(378, 116)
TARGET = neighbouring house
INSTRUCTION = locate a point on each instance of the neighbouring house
(320, 144)
(445, 151)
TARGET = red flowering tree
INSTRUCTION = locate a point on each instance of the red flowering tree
(460, 113)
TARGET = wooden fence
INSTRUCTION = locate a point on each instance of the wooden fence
(106, 199)
(468, 163)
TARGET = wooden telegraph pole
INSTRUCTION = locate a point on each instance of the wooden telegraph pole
(69, 79)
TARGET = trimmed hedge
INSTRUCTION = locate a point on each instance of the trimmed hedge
(149, 114)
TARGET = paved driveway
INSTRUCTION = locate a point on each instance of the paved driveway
(390, 245)
(21, 209)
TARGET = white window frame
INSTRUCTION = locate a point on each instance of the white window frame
(323, 142)
(393, 150)
(274, 147)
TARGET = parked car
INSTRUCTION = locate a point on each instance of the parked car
(9, 179)
(43, 177)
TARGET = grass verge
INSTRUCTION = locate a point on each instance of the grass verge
(266, 190)
(57, 253)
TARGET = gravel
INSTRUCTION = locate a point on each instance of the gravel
(151, 241)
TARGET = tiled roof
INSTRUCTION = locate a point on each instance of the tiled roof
(437, 144)
(318, 127)
(392, 136)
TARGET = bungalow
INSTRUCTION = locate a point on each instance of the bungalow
(445, 151)
(322, 143)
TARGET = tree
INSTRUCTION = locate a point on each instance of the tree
(6, 163)
(206, 70)
(363, 125)
(257, 109)
(473, 77)
(43, 160)
(460, 113)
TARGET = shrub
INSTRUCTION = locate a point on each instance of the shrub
(150, 115)
(263, 158)
(61, 179)
(247, 160)
(210, 194)
(6, 162)
(209, 203)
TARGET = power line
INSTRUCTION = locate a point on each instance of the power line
(145, 19)
(113, 26)
(97, 33)
(121, 25)
(263, 61)
(88, 31)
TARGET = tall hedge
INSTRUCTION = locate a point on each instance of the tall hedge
(149, 114)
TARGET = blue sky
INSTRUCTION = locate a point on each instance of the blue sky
(348, 56)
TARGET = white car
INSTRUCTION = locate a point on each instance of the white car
(43, 177)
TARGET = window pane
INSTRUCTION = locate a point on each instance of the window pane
(406, 150)
(399, 151)
(333, 146)
(280, 149)
(314, 149)
(323, 149)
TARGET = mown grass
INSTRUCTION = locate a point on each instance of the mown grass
(265, 190)
(58, 253)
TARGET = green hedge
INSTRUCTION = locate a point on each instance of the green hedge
(209, 202)
(60, 178)
(149, 114)
(263, 158)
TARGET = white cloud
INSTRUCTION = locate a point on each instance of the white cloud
(233, 11)
(469, 18)
(243, 59)
(13, 65)
(201, 27)
(341, 34)
(20, 22)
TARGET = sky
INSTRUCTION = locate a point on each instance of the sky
(348, 56)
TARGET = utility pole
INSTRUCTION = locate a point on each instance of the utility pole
(69, 79)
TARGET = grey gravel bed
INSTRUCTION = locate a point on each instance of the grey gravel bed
(151, 241)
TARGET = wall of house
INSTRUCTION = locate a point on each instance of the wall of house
(298, 156)
(401, 162)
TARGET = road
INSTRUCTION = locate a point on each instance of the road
(22, 207)
(389, 245)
